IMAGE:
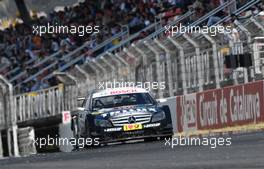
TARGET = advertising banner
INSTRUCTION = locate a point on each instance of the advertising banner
(186, 113)
(219, 108)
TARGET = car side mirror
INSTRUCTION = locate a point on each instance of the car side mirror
(80, 101)
(161, 100)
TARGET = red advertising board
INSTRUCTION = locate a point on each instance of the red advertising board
(230, 106)
(186, 112)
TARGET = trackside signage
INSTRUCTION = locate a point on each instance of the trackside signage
(230, 106)
(186, 112)
(66, 117)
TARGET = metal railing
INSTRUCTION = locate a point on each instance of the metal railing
(40, 104)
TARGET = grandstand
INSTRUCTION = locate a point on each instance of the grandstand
(35, 58)
(136, 48)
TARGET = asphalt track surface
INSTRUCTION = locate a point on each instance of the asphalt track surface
(246, 152)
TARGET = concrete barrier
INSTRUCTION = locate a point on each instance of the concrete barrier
(65, 131)
(1, 146)
(26, 138)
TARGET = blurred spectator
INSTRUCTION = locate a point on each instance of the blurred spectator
(217, 17)
(44, 84)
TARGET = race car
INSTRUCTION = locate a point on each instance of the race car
(121, 114)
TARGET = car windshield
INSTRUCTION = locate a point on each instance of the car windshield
(121, 100)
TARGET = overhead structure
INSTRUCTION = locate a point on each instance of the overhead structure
(23, 11)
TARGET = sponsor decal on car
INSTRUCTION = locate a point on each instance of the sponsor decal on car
(130, 127)
(125, 111)
(151, 125)
(113, 129)
(109, 92)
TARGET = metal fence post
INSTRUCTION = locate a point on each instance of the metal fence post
(244, 29)
(97, 73)
(131, 69)
(168, 62)
(119, 65)
(199, 60)
(181, 52)
(101, 68)
(10, 116)
(119, 57)
(144, 60)
(160, 95)
(216, 65)
(1, 145)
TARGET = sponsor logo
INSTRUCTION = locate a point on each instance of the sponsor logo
(151, 125)
(131, 119)
(218, 108)
(113, 129)
(130, 127)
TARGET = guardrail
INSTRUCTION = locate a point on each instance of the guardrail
(40, 104)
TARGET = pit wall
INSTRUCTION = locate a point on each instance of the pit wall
(232, 106)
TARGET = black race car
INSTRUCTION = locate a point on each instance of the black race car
(121, 114)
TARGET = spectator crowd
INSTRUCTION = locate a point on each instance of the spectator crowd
(21, 50)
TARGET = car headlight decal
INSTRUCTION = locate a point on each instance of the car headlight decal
(158, 116)
(102, 123)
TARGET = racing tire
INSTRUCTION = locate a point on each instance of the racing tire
(88, 135)
(166, 109)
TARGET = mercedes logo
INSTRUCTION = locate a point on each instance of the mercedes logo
(131, 119)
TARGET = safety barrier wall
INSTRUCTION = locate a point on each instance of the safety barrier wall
(2, 110)
(26, 138)
(70, 97)
(220, 108)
